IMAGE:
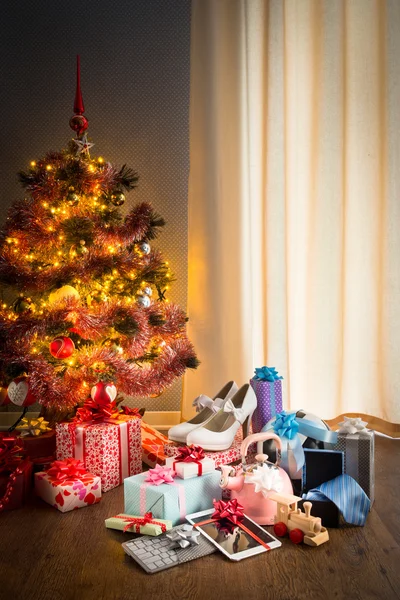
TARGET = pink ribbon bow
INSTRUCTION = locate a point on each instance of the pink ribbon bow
(160, 475)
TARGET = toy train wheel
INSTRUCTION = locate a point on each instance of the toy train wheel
(280, 529)
(296, 536)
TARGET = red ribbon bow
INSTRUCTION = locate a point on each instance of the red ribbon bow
(231, 511)
(94, 411)
(189, 454)
(138, 522)
(134, 412)
(10, 452)
(61, 470)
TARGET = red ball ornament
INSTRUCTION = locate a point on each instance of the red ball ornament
(20, 393)
(62, 347)
(103, 392)
(79, 123)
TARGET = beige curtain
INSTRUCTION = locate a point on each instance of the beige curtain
(294, 200)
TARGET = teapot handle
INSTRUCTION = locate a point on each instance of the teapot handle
(259, 438)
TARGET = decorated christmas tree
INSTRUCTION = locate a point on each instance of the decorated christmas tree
(84, 293)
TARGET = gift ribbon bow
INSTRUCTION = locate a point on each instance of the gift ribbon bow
(288, 427)
(266, 374)
(160, 475)
(265, 478)
(93, 411)
(184, 537)
(134, 412)
(34, 427)
(352, 425)
(229, 510)
(61, 470)
(138, 522)
(10, 452)
(203, 401)
(190, 454)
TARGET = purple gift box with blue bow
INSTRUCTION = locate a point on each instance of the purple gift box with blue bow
(267, 386)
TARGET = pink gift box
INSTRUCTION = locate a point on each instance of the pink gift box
(222, 457)
(70, 494)
(111, 450)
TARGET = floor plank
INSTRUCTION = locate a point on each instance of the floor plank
(47, 555)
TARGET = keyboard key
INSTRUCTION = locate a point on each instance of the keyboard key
(159, 563)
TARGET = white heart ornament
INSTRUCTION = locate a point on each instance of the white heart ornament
(111, 391)
(17, 392)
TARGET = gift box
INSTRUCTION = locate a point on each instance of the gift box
(359, 452)
(321, 466)
(222, 457)
(41, 445)
(267, 386)
(67, 485)
(190, 462)
(110, 449)
(15, 486)
(15, 472)
(173, 500)
(153, 446)
(146, 525)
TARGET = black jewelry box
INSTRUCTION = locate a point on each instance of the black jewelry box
(321, 466)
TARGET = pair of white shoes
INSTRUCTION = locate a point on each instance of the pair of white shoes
(218, 419)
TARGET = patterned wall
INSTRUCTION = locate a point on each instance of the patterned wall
(135, 80)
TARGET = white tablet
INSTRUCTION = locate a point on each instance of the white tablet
(234, 541)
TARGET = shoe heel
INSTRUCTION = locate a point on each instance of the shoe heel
(247, 429)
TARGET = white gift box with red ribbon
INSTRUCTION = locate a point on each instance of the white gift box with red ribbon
(112, 450)
(186, 470)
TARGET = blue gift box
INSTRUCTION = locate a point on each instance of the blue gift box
(171, 501)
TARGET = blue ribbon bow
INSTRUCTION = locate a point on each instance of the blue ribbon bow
(266, 374)
(288, 428)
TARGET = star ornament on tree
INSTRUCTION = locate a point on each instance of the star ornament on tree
(83, 145)
(265, 479)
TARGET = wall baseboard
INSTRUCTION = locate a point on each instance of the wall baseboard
(161, 420)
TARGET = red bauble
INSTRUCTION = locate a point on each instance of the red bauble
(19, 392)
(103, 392)
(62, 347)
(79, 123)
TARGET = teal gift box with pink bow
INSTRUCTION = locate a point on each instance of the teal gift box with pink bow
(160, 492)
(267, 386)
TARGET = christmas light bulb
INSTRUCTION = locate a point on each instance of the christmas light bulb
(48, 167)
(33, 163)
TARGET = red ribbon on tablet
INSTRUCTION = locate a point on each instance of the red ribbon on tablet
(228, 513)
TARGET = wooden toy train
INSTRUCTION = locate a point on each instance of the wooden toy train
(302, 526)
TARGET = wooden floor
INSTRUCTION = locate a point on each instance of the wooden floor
(45, 555)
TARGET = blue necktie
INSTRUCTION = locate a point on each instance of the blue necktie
(348, 496)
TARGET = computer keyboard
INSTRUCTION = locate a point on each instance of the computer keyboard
(155, 554)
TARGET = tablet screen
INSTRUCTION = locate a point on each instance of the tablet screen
(231, 538)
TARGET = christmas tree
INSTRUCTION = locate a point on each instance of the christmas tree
(84, 293)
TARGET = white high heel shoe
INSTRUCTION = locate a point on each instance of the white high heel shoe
(219, 431)
(206, 408)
